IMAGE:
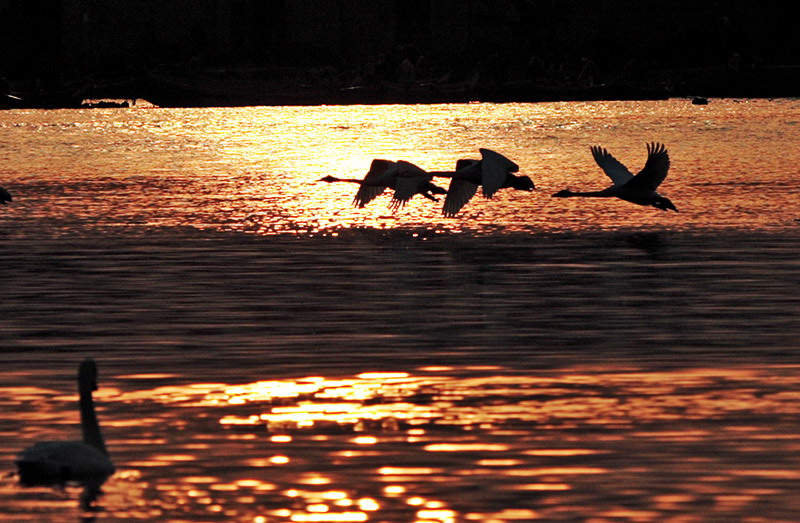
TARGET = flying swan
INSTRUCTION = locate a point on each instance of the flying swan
(404, 177)
(59, 461)
(639, 189)
(492, 172)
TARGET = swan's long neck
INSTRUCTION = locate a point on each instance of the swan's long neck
(589, 194)
(89, 425)
(331, 179)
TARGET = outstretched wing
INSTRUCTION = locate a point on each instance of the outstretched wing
(378, 168)
(406, 188)
(459, 193)
(655, 169)
(463, 163)
(494, 170)
(409, 170)
(367, 193)
(409, 180)
(470, 170)
(619, 174)
(379, 176)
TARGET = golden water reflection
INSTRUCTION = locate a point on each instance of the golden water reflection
(256, 170)
(444, 444)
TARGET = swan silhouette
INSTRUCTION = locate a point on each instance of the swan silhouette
(639, 189)
(59, 461)
(492, 172)
(404, 177)
(5, 196)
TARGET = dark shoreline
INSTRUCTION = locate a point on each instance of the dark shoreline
(184, 87)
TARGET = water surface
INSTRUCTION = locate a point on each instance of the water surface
(255, 169)
(269, 353)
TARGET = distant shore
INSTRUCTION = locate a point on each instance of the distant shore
(188, 87)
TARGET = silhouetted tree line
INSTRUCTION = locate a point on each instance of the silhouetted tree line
(48, 40)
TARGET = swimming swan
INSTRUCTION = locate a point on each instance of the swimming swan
(639, 189)
(5, 196)
(492, 172)
(51, 461)
(404, 177)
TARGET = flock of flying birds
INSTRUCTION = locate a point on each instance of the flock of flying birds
(58, 461)
(494, 172)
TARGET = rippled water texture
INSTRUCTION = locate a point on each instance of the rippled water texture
(479, 444)
(268, 353)
(734, 164)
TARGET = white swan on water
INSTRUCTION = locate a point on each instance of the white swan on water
(51, 461)
(492, 172)
(639, 189)
(404, 177)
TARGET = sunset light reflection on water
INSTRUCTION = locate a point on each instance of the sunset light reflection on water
(257, 169)
(376, 446)
(268, 353)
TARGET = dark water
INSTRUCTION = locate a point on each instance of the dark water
(267, 354)
(395, 300)
(390, 376)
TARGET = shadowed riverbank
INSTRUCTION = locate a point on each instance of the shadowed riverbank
(185, 86)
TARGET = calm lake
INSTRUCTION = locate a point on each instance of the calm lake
(269, 353)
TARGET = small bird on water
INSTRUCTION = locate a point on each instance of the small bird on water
(61, 461)
(5, 196)
(640, 189)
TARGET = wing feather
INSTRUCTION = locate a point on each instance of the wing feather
(409, 170)
(463, 163)
(381, 175)
(407, 186)
(458, 194)
(655, 168)
(367, 193)
(494, 170)
(410, 180)
(378, 168)
(618, 173)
